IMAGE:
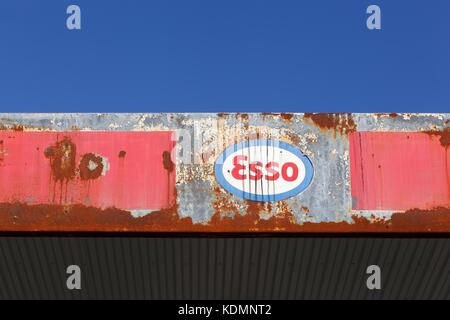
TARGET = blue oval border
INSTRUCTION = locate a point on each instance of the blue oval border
(309, 174)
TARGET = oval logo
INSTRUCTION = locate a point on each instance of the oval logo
(263, 170)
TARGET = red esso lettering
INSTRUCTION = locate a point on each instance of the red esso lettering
(257, 170)
(293, 174)
(237, 168)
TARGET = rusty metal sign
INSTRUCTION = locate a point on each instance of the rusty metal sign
(232, 172)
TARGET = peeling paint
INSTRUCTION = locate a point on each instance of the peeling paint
(339, 122)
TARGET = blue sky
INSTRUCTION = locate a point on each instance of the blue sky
(216, 55)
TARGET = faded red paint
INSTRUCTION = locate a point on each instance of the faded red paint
(68, 168)
(399, 171)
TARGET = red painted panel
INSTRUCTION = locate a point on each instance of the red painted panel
(398, 171)
(48, 167)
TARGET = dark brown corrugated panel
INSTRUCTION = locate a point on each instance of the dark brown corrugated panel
(224, 268)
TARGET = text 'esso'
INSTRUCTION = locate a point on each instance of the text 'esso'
(264, 170)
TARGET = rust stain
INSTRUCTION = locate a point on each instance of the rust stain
(74, 128)
(15, 127)
(390, 115)
(273, 114)
(254, 207)
(19, 127)
(122, 154)
(339, 122)
(252, 222)
(444, 136)
(20, 216)
(432, 219)
(287, 116)
(243, 116)
(91, 166)
(167, 161)
(222, 204)
(2, 152)
(62, 159)
(294, 138)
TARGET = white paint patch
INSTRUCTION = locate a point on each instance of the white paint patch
(374, 215)
(92, 165)
(105, 164)
(140, 212)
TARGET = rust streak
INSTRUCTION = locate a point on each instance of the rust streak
(339, 122)
(20, 216)
(390, 115)
(243, 116)
(273, 114)
(223, 114)
(167, 161)
(287, 116)
(444, 136)
(62, 159)
(2, 152)
(19, 127)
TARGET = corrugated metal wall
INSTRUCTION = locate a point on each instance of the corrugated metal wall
(224, 268)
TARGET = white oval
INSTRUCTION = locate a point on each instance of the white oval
(263, 151)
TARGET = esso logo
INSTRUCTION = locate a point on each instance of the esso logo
(264, 170)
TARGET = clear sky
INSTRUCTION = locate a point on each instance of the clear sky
(217, 55)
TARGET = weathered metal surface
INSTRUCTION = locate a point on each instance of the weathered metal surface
(398, 171)
(156, 172)
(99, 169)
